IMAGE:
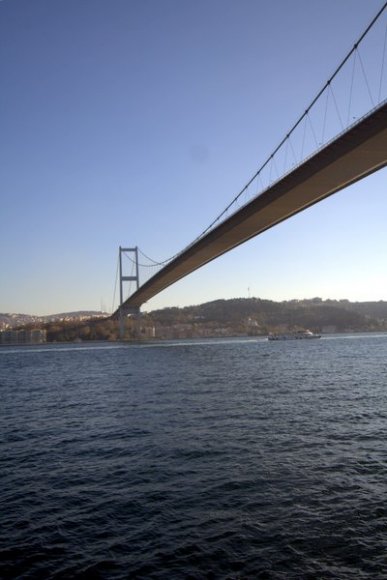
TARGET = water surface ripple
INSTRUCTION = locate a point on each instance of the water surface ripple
(218, 459)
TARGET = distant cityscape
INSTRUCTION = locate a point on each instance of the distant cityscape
(219, 318)
(13, 320)
(30, 329)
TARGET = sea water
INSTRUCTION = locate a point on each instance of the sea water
(195, 459)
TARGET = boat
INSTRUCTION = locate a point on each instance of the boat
(299, 335)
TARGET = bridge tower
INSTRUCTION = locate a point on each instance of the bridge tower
(123, 278)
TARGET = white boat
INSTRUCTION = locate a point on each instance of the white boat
(299, 335)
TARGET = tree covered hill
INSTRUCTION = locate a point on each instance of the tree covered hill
(340, 315)
(235, 317)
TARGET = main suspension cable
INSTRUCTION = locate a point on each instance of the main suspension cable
(287, 138)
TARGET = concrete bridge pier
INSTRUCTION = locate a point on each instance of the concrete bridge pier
(124, 314)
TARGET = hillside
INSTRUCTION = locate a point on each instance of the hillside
(267, 315)
(14, 320)
(235, 317)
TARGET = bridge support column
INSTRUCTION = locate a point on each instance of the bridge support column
(133, 278)
(123, 317)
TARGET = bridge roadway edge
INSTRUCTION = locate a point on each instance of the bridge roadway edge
(354, 154)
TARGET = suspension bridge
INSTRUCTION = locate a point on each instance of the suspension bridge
(333, 160)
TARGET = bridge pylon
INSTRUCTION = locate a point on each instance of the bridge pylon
(124, 312)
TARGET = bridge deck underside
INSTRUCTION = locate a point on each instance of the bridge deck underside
(353, 155)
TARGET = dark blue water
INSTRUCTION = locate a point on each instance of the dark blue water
(233, 459)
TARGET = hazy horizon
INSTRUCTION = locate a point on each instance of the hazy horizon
(195, 304)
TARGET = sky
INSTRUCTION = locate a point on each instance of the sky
(135, 122)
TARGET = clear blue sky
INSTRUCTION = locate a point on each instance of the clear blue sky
(135, 122)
